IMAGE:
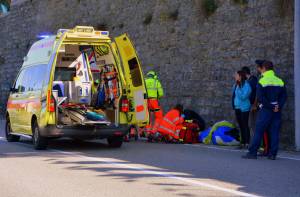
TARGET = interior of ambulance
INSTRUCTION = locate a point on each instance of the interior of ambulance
(86, 85)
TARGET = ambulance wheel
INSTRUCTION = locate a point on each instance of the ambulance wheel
(39, 142)
(115, 142)
(8, 131)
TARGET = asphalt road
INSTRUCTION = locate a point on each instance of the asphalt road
(70, 168)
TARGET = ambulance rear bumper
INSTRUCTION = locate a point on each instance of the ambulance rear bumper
(84, 131)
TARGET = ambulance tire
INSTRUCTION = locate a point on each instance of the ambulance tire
(39, 142)
(115, 142)
(8, 130)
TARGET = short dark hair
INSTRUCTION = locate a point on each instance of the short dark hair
(246, 69)
(259, 62)
(179, 107)
(268, 65)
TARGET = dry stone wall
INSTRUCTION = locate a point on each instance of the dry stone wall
(195, 55)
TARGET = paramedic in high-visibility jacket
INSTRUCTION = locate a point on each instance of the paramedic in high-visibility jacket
(155, 92)
(172, 123)
(271, 97)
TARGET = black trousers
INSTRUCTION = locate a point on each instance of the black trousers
(243, 119)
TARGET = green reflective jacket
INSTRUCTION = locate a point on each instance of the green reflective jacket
(271, 91)
(154, 88)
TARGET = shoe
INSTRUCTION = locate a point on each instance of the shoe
(241, 146)
(272, 157)
(248, 156)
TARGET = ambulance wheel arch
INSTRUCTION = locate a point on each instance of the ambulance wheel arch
(135, 85)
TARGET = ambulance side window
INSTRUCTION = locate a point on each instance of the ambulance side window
(33, 78)
(135, 72)
(38, 75)
(26, 82)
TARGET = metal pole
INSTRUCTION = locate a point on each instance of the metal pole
(297, 72)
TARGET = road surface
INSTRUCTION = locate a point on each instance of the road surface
(88, 169)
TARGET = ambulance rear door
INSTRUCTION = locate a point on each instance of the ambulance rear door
(135, 85)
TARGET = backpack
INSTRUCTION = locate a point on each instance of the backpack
(189, 133)
(221, 133)
(225, 136)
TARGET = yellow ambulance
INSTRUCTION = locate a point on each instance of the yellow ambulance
(79, 84)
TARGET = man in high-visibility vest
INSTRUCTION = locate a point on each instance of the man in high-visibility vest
(172, 123)
(155, 92)
(271, 97)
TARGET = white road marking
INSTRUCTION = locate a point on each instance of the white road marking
(21, 153)
(233, 150)
(290, 158)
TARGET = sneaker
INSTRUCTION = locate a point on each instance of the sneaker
(248, 156)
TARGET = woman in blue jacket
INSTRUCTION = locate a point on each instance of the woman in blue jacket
(241, 105)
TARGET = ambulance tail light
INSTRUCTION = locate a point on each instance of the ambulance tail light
(50, 102)
(125, 105)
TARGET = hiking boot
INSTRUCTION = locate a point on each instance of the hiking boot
(248, 156)
(272, 157)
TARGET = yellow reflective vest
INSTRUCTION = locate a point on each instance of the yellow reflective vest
(154, 88)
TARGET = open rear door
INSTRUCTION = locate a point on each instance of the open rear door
(135, 85)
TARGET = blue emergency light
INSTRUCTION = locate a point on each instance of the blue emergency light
(43, 35)
(105, 33)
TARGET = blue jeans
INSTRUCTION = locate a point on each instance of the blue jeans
(266, 120)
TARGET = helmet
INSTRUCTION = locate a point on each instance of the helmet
(152, 74)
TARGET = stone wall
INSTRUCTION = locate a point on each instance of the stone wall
(195, 55)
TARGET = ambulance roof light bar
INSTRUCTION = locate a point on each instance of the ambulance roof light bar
(102, 33)
(84, 29)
